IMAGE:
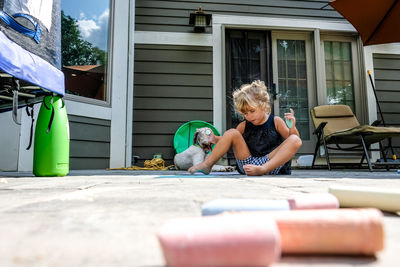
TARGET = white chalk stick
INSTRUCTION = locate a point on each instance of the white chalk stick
(367, 197)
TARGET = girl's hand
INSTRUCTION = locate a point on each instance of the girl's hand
(290, 116)
(253, 170)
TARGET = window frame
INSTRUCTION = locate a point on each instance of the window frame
(359, 96)
(108, 73)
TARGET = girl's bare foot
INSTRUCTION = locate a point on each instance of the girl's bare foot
(201, 167)
(254, 170)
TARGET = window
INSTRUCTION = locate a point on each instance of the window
(85, 28)
(292, 82)
(341, 81)
(338, 73)
(293, 75)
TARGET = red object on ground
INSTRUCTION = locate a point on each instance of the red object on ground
(313, 201)
(232, 240)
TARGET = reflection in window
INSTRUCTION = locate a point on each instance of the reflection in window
(84, 44)
(292, 78)
(339, 76)
(246, 67)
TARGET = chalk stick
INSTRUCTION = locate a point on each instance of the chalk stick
(360, 196)
(220, 241)
(313, 201)
(331, 231)
(235, 204)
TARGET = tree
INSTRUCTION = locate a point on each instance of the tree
(75, 50)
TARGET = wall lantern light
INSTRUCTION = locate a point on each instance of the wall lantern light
(200, 20)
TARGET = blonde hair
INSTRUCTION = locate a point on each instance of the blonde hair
(251, 96)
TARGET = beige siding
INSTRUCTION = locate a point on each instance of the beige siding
(387, 82)
(173, 85)
(90, 143)
(173, 16)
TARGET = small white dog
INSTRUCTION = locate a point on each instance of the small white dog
(196, 153)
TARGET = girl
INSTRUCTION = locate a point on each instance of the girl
(263, 143)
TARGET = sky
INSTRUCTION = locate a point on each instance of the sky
(92, 17)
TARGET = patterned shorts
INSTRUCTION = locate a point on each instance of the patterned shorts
(256, 161)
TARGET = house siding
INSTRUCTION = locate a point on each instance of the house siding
(173, 85)
(387, 83)
(160, 107)
(173, 16)
(89, 143)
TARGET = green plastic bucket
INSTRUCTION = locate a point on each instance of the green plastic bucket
(184, 135)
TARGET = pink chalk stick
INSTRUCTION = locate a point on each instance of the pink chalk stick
(334, 231)
(233, 240)
(313, 201)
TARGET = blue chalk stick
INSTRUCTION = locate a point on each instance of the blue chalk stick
(289, 123)
(235, 204)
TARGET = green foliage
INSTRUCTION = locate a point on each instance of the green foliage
(76, 51)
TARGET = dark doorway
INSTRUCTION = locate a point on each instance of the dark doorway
(248, 58)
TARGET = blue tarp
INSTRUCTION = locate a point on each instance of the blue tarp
(29, 67)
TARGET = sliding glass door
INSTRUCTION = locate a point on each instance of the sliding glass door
(248, 56)
(293, 75)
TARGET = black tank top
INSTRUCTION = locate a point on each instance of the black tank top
(262, 139)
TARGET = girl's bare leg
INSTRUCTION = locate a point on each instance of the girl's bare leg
(230, 138)
(283, 153)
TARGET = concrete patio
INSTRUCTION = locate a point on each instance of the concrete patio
(109, 218)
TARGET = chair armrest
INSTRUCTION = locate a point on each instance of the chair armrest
(321, 126)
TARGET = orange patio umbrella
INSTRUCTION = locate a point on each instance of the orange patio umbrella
(377, 21)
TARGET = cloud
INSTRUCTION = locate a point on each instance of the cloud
(87, 27)
(104, 17)
(95, 30)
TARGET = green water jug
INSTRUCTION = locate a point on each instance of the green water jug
(51, 146)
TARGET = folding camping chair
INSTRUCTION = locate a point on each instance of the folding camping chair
(337, 125)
